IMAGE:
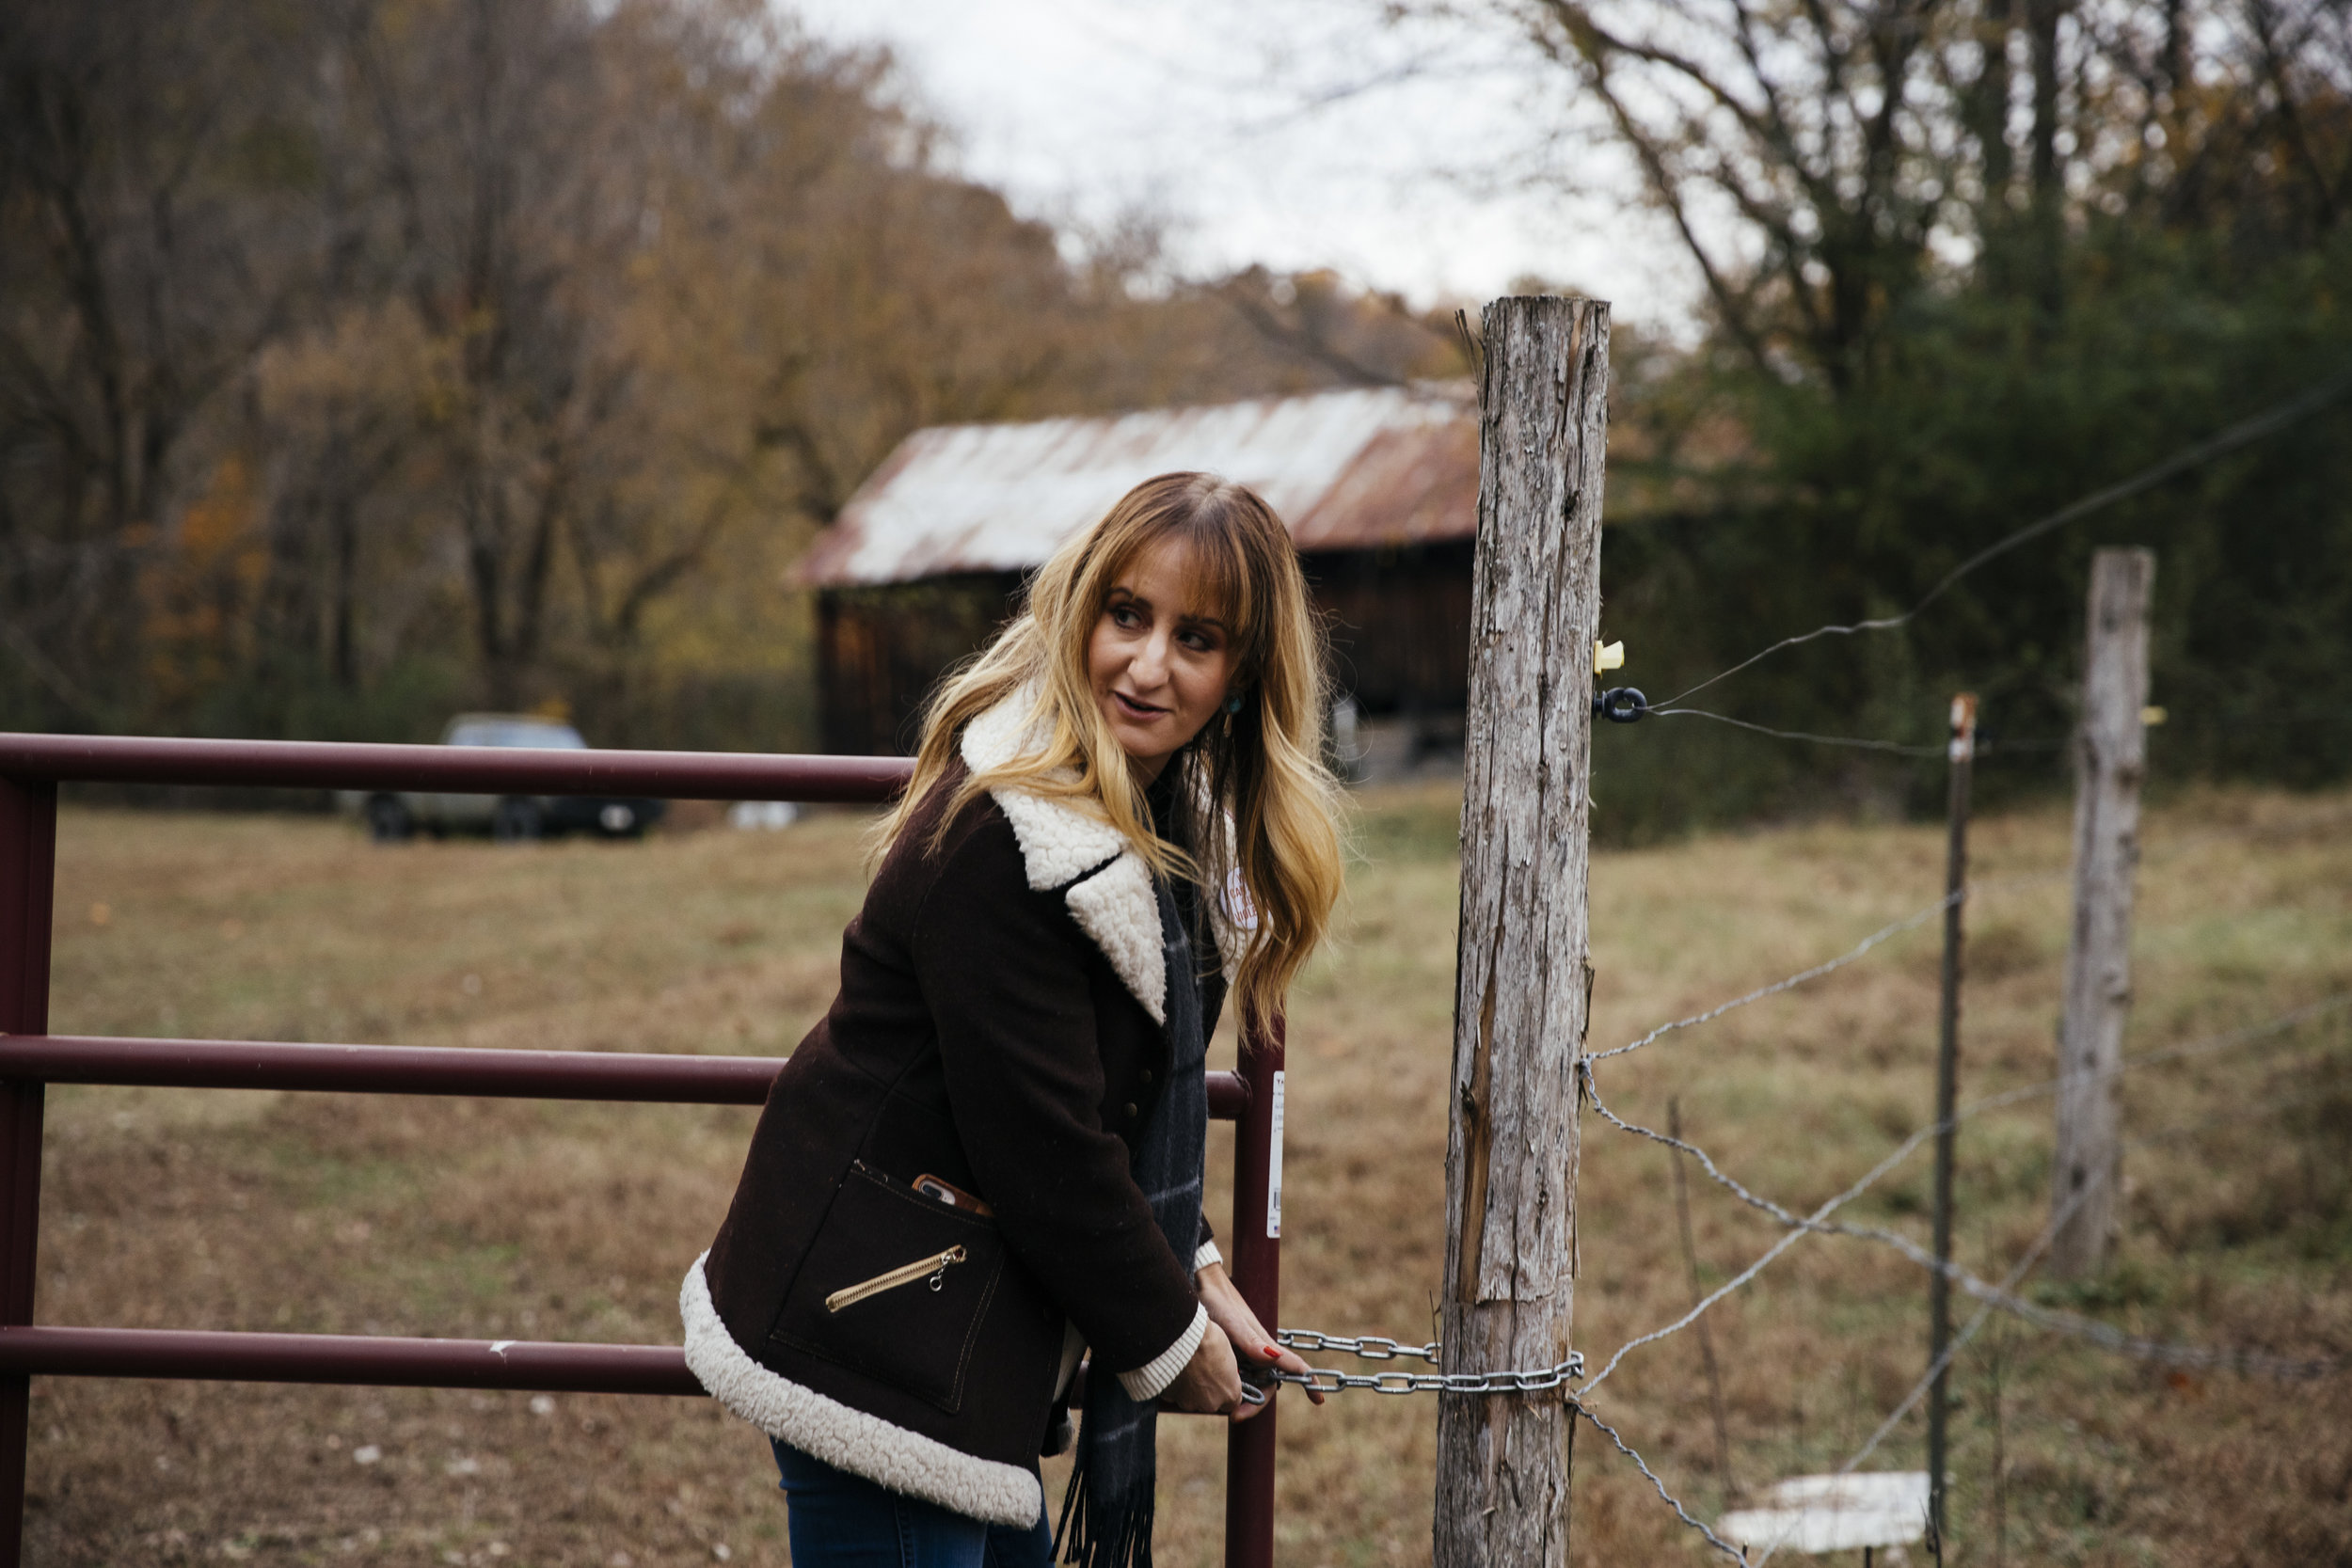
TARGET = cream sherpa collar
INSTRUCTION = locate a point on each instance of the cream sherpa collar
(1061, 841)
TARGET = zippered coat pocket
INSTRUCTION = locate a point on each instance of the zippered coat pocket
(896, 1286)
(931, 1270)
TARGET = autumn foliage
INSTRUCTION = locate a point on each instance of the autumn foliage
(364, 359)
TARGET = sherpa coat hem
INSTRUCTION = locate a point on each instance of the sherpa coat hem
(845, 1437)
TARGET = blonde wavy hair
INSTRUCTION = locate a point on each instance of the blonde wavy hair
(1261, 802)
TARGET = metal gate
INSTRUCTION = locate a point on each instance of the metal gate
(32, 766)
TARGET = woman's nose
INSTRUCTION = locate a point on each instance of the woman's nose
(1150, 664)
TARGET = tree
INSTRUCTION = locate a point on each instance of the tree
(149, 197)
(1966, 261)
(365, 359)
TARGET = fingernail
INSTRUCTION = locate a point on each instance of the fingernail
(1271, 1351)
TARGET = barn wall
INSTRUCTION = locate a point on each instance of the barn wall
(881, 650)
(1398, 619)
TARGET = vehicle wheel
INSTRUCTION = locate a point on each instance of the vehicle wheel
(389, 821)
(516, 821)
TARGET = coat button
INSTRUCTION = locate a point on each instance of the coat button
(1147, 1077)
(1131, 1110)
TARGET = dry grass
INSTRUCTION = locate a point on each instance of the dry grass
(482, 1218)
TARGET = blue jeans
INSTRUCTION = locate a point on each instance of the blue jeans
(839, 1520)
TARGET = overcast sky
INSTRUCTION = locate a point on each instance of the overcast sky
(1299, 134)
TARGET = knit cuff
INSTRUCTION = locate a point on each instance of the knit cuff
(1207, 1255)
(1149, 1380)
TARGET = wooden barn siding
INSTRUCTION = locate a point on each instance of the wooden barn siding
(881, 650)
(1398, 618)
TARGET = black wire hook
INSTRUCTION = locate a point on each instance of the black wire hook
(1620, 704)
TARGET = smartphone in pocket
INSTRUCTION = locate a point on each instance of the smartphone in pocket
(949, 1193)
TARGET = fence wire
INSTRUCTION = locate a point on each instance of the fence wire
(1857, 742)
(2103, 1335)
(1989, 1297)
(1983, 746)
(1936, 1369)
(1884, 933)
(2269, 421)
(1672, 1501)
(2032, 1255)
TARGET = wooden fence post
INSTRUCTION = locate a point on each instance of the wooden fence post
(1523, 986)
(2111, 751)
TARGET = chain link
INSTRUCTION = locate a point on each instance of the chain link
(1374, 1347)
(1371, 1347)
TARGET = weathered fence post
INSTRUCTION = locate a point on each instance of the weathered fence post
(2110, 756)
(1524, 984)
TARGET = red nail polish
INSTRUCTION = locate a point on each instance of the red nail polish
(1271, 1351)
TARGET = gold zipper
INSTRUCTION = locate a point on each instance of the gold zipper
(936, 1266)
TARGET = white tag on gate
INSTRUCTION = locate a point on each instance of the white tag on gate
(1273, 1167)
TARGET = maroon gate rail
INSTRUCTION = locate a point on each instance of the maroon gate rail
(32, 766)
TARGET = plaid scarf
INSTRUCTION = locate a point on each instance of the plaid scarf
(1106, 1515)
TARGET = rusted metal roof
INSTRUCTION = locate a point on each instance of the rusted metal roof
(1345, 470)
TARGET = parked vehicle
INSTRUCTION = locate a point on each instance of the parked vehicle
(509, 818)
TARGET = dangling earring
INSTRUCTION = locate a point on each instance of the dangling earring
(1233, 704)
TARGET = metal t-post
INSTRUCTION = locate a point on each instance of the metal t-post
(1255, 1245)
(28, 854)
(1962, 755)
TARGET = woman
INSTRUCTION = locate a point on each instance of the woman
(987, 1158)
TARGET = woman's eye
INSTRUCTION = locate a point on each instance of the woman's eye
(1125, 615)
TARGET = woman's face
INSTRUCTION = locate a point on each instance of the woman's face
(1159, 660)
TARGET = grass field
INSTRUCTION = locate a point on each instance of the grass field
(550, 1221)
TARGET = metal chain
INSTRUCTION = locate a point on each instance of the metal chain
(1371, 1347)
(1374, 1347)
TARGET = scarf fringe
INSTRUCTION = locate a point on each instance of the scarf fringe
(1080, 1537)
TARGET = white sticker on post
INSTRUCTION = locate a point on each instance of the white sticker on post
(1273, 1167)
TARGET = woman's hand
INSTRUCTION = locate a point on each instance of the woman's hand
(1245, 1335)
(1210, 1384)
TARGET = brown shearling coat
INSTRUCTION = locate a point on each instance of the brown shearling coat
(999, 1027)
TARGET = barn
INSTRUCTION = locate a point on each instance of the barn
(1379, 488)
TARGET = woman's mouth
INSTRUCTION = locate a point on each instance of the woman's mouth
(1134, 709)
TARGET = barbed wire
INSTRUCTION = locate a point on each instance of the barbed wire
(1989, 1297)
(1884, 933)
(1951, 1350)
(2268, 422)
(1920, 917)
(1576, 1404)
(1797, 1232)
(1935, 1369)
(2169, 1352)
(2104, 1334)
(2009, 1282)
